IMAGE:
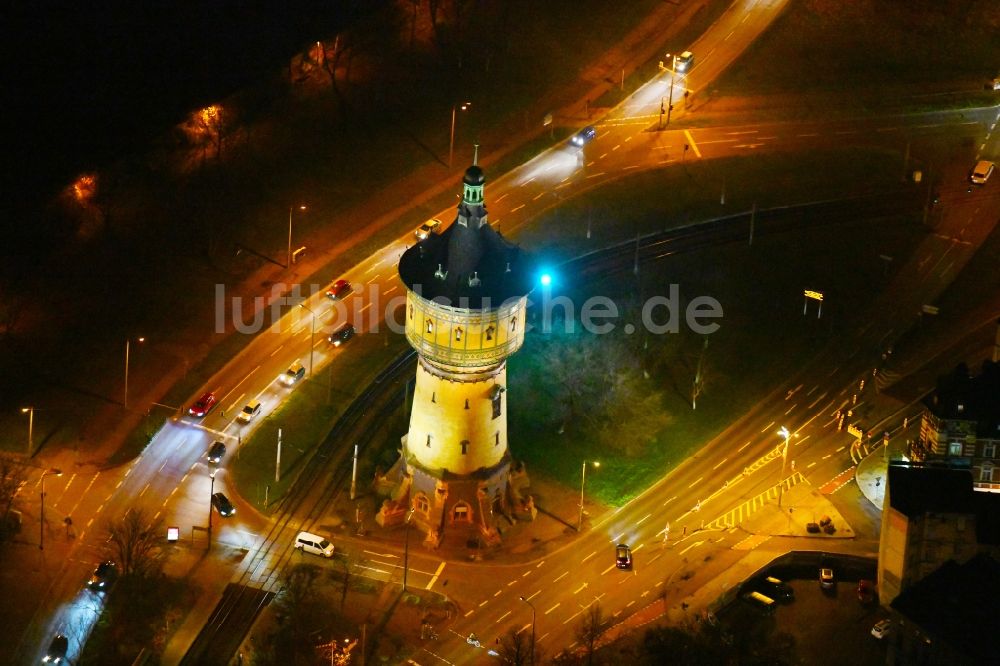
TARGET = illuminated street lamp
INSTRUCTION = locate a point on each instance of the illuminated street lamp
(30, 411)
(41, 525)
(312, 335)
(406, 548)
(211, 494)
(532, 629)
(288, 261)
(784, 459)
(127, 343)
(451, 147)
(583, 480)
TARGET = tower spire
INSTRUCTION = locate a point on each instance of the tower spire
(475, 155)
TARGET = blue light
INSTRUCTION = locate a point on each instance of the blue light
(546, 279)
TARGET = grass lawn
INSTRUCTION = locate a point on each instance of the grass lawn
(307, 415)
(866, 45)
(763, 336)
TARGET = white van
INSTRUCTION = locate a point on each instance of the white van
(311, 543)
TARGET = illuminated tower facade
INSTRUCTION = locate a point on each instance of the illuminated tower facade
(466, 307)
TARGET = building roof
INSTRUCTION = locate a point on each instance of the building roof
(960, 396)
(918, 489)
(470, 265)
(955, 604)
(915, 490)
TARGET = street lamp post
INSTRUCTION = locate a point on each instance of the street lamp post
(288, 260)
(30, 411)
(784, 459)
(525, 600)
(670, 96)
(583, 480)
(128, 342)
(451, 146)
(312, 335)
(41, 524)
(406, 548)
(211, 493)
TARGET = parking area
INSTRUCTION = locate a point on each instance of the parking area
(829, 626)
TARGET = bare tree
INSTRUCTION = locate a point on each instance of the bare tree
(136, 542)
(13, 474)
(589, 630)
(515, 648)
(344, 576)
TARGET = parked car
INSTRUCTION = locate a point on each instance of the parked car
(202, 405)
(293, 374)
(776, 588)
(981, 172)
(623, 556)
(427, 228)
(56, 654)
(307, 542)
(342, 334)
(881, 628)
(826, 578)
(249, 411)
(103, 577)
(338, 289)
(223, 505)
(584, 136)
(215, 453)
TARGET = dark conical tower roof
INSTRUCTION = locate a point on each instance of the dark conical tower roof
(470, 265)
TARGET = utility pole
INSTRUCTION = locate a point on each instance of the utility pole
(277, 461)
(354, 473)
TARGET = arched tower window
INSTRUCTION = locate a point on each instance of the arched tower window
(421, 503)
(497, 442)
(465, 446)
(430, 326)
(458, 333)
(428, 441)
(462, 513)
(513, 324)
(489, 332)
(411, 310)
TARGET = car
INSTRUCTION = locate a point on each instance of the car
(684, 61)
(623, 556)
(56, 654)
(584, 136)
(295, 372)
(203, 405)
(866, 591)
(427, 228)
(776, 588)
(338, 289)
(249, 411)
(981, 172)
(826, 578)
(215, 453)
(103, 577)
(881, 628)
(223, 505)
(342, 334)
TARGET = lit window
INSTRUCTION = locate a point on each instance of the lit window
(421, 504)
(461, 513)
(989, 450)
(986, 474)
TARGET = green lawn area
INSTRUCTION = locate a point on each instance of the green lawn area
(307, 415)
(763, 336)
(865, 45)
